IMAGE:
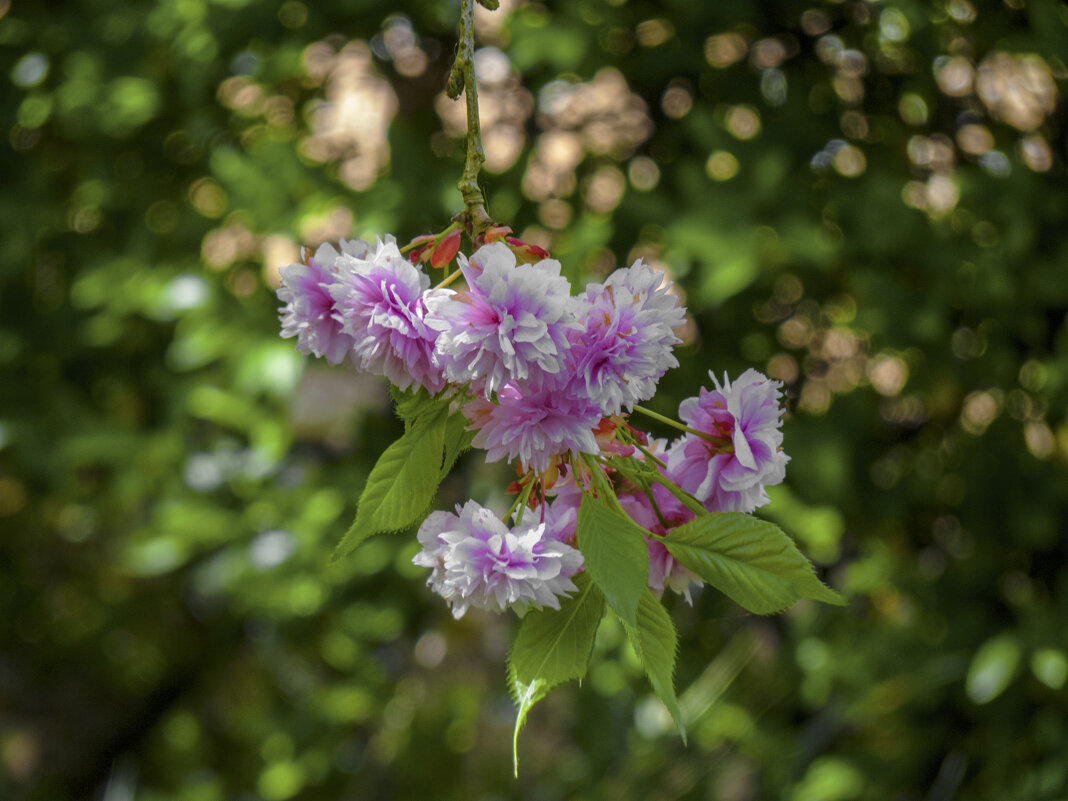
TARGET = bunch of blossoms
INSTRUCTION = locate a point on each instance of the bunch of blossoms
(514, 364)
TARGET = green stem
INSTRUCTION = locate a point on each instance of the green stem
(604, 486)
(521, 502)
(597, 479)
(449, 279)
(686, 498)
(722, 443)
(513, 507)
(421, 241)
(413, 245)
(656, 509)
(649, 454)
(462, 79)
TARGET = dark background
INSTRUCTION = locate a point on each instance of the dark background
(866, 200)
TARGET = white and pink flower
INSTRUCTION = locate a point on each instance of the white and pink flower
(746, 416)
(378, 301)
(476, 560)
(533, 426)
(624, 343)
(509, 326)
(309, 311)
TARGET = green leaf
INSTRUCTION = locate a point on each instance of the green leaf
(751, 560)
(615, 554)
(457, 441)
(402, 482)
(640, 474)
(411, 405)
(552, 647)
(656, 643)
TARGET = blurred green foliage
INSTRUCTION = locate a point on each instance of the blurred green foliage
(866, 199)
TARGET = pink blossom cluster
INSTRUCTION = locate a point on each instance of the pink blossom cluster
(542, 377)
(476, 560)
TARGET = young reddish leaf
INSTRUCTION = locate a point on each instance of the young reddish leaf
(446, 250)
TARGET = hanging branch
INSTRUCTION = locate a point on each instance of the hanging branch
(462, 79)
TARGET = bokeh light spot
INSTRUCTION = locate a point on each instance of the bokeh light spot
(1039, 439)
(604, 189)
(814, 22)
(1036, 153)
(975, 139)
(721, 166)
(955, 76)
(912, 108)
(849, 161)
(677, 101)
(725, 49)
(980, 409)
(888, 374)
(743, 122)
(643, 173)
(654, 32)
(293, 14)
(30, 70)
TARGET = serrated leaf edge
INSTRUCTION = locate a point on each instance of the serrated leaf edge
(683, 552)
(521, 691)
(671, 702)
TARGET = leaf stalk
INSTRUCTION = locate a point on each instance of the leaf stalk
(723, 445)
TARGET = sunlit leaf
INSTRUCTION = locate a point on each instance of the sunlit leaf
(457, 441)
(616, 556)
(655, 641)
(401, 484)
(410, 405)
(552, 647)
(748, 559)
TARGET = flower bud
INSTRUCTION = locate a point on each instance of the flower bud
(494, 234)
(526, 251)
(421, 254)
(640, 436)
(446, 249)
(419, 240)
(605, 434)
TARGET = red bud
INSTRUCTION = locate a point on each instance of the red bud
(638, 435)
(446, 249)
(421, 254)
(606, 426)
(420, 240)
(493, 234)
(526, 251)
